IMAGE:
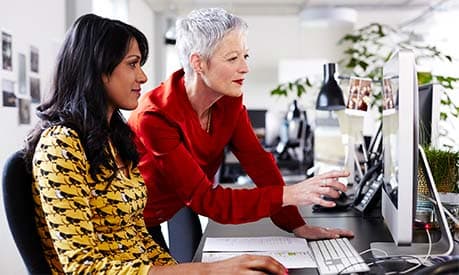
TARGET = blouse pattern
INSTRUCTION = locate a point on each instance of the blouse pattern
(89, 226)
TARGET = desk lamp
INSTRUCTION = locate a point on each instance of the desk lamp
(330, 97)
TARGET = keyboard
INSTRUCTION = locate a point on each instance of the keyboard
(337, 256)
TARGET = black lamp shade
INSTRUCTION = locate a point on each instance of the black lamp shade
(330, 97)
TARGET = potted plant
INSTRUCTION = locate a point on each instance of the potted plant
(444, 165)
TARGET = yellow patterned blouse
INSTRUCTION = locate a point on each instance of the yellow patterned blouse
(85, 226)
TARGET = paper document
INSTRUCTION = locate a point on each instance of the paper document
(291, 252)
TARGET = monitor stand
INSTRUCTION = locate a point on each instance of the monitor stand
(443, 246)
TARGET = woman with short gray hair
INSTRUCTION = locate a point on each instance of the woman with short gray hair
(184, 125)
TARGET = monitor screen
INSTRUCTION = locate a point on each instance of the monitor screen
(400, 145)
(429, 114)
(425, 114)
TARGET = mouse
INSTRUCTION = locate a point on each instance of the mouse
(343, 202)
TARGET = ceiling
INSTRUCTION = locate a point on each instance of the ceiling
(290, 7)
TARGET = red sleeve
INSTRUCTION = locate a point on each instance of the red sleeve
(178, 171)
(262, 169)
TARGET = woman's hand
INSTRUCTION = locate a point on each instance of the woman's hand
(247, 264)
(315, 232)
(311, 191)
(244, 264)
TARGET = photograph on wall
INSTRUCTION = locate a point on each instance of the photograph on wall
(7, 51)
(9, 98)
(34, 59)
(24, 111)
(22, 77)
(35, 89)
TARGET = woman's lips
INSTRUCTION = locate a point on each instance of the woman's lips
(239, 81)
(136, 91)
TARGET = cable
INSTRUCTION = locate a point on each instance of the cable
(351, 265)
(420, 262)
(361, 253)
(374, 249)
(403, 258)
(426, 257)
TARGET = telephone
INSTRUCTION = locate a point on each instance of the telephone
(369, 190)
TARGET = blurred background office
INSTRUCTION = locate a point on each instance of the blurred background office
(288, 39)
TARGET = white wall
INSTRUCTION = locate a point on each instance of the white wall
(142, 17)
(272, 38)
(41, 24)
(275, 38)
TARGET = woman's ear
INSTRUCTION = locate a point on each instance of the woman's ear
(105, 79)
(196, 62)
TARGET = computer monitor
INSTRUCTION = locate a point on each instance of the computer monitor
(400, 142)
(257, 118)
(401, 156)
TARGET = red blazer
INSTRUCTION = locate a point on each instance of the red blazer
(178, 160)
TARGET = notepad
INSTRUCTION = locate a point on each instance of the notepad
(289, 251)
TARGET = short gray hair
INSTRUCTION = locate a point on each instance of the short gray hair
(201, 31)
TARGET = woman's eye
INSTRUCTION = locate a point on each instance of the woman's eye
(246, 56)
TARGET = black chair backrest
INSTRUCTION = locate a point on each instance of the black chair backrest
(19, 208)
(185, 233)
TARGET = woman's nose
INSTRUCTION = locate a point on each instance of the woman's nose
(142, 77)
(244, 67)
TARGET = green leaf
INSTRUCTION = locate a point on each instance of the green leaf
(352, 63)
(279, 92)
(300, 90)
(352, 38)
(443, 116)
(363, 64)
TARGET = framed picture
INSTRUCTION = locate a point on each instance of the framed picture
(34, 59)
(35, 89)
(22, 75)
(9, 98)
(24, 111)
(7, 51)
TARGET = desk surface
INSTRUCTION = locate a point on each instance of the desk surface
(366, 230)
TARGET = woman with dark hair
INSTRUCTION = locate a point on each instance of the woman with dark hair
(88, 191)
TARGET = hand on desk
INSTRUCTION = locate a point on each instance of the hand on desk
(244, 264)
(315, 232)
(248, 264)
(311, 191)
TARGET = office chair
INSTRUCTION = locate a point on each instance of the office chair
(19, 208)
(184, 235)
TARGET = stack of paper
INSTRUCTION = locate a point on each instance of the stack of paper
(289, 251)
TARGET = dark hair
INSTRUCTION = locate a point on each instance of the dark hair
(93, 47)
